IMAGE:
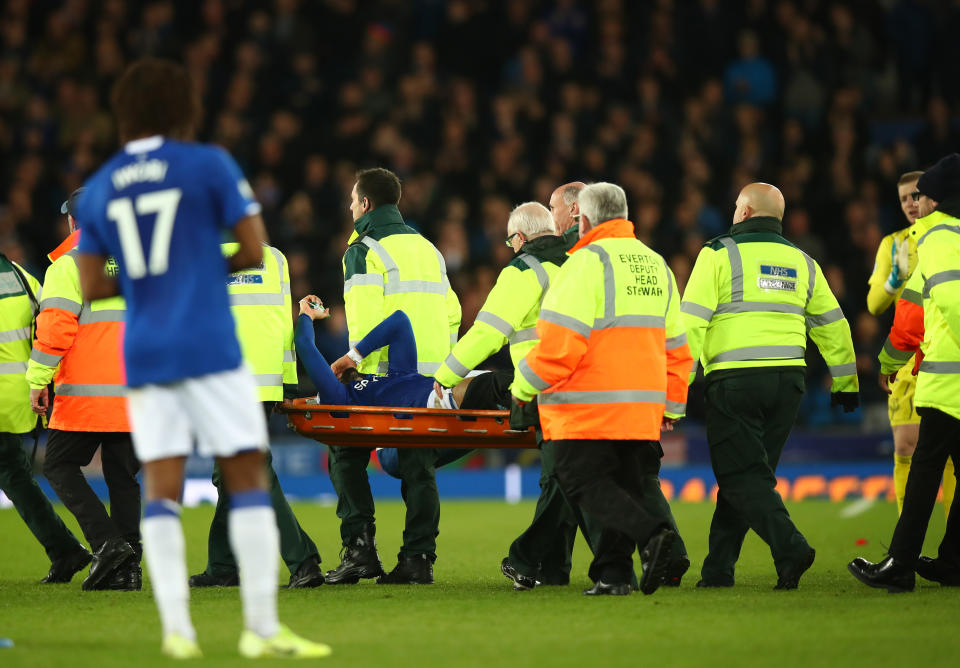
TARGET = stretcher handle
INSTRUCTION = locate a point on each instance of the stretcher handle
(302, 406)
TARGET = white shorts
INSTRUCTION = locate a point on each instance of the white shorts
(447, 403)
(221, 410)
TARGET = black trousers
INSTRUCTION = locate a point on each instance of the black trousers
(939, 439)
(749, 417)
(67, 451)
(608, 480)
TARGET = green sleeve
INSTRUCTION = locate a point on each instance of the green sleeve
(699, 302)
(509, 302)
(830, 331)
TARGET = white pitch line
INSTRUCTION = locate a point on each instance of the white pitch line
(857, 508)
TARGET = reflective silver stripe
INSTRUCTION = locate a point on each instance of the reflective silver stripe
(758, 353)
(940, 367)
(521, 335)
(456, 366)
(362, 279)
(669, 286)
(284, 288)
(566, 321)
(268, 379)
(530, 376)
(453, 338)
(278, 256)
(13, 367)
(758, 307)
(45, 358)
(393, 285)
(106, 315)
(696, 367)
(609, 286)
(834, 315)
(383, 367)
(9, 283)
(839, 370)
(289, 356)
(631, 320)
(352, 343)
(691, 308)
(940, 277)
(61, 303)
(496, 322)
(256, 300)
(675, 407)
(676, 341)
(912, 296)
(896, 353)
(91, 390)
(811, 276)
(542, 276)
(938, 228)
(427, 368)
(11, 335)
(736, 269)
(604, 397)
(428, 287)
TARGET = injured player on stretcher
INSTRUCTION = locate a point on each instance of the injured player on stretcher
(341, 385)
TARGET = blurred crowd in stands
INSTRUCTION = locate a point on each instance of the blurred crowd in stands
(481, 104)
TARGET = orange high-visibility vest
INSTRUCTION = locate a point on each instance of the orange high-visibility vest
(612, 359)
(78, 345)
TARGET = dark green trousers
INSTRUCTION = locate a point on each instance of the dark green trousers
(418, 486)
(295, 545)
(544, 550)
(749, 416)
(16, 481)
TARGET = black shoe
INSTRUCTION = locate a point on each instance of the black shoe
(307, 575)
(520, 582)
(655, 560)
(929, 568)
(359, 560)
(105, 561)
(676, 571)
(206, 580)
(703, 584)
(127, 577)
(63, 570)
(790, 577)
(604, 589)
(415, 569)
(887, 574)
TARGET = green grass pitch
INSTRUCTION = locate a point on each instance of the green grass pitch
(471, 617)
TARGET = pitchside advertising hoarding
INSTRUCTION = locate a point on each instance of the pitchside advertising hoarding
(833, 466)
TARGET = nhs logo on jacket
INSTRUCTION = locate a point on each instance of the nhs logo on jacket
(776, 277)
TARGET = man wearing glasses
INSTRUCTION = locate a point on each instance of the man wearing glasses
(896, 261)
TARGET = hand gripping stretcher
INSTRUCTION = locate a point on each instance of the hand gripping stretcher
(376, 426)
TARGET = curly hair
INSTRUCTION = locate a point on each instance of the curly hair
(155, 97)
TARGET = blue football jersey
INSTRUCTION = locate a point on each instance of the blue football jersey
(160, 207)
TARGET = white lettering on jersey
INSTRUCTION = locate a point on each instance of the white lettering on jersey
(138, 172)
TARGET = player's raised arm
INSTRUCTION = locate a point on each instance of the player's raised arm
(94, 281)
(251, 235)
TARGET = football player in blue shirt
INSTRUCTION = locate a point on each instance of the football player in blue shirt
(159, 207)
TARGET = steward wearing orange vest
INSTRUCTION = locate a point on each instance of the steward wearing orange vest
(78, 346)
(610, 368)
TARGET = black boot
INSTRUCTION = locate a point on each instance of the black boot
(105, 561)
(930, 568)
(63, 570)
(676, 571)
(603, 589)
(410, 569)
(207, 580)
(307, 575)
(359, 560)
(888, 574)
(128, 576)
(789, 578)
(655, 560)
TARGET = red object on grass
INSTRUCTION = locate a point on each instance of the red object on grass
(862, 541)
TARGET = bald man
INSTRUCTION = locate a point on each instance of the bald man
(565, 209)
(751, 299)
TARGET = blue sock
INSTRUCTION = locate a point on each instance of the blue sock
(249, 499)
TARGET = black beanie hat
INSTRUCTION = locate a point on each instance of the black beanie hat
(942, 181)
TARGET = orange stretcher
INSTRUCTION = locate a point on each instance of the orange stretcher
(377, 427)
